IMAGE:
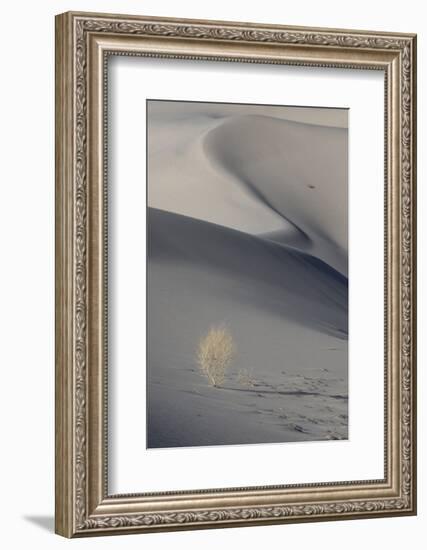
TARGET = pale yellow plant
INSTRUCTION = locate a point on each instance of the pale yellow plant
(215, 354)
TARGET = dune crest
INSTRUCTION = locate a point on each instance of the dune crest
(247, 231)
(274, 277)
(287, 311)
(257, 174)
(292, 168)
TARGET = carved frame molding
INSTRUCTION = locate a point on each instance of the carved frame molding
(83, 42)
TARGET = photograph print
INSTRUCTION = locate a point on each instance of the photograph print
(247, 274)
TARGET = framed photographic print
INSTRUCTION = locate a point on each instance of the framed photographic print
(235, 274)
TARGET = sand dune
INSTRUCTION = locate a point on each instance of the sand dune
(299, 171)
(287, 313)
(257, 174)
(247, 227)
(282, 280)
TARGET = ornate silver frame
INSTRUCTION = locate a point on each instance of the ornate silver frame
(83, 505)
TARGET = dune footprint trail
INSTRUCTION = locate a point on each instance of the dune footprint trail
(248, 249)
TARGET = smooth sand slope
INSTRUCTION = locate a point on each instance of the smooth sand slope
(287, 312)
(247, 229)
(254, 173)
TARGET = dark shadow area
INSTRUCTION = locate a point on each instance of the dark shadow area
(44, 522)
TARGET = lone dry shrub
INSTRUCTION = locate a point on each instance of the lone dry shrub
(215, 354)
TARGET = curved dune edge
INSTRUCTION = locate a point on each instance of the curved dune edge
(258, 174)
(284, 281)
(247, 230)
(288, 167)
(287, 313)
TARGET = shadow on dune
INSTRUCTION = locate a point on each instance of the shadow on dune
(298, 170)
(250, 232)
(283, 280)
